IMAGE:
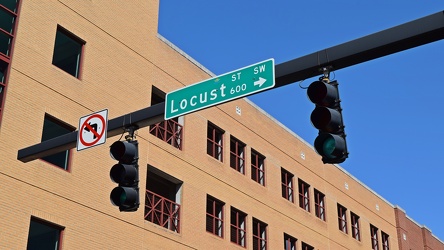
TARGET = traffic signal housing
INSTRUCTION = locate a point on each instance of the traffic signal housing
(126, 174)
(327, 118)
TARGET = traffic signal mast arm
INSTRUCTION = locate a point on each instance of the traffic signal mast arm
(405, 36)
(141, 118)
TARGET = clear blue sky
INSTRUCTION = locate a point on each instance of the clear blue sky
(391, 105)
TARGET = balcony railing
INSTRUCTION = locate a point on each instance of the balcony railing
(163, 212)
(169, 131)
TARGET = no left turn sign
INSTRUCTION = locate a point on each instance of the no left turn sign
(92, 130)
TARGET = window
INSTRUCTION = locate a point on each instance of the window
(215, 142)
(52, 128)
(304, 195)
(162, 199)
(3, 69)
(43, 235)
(237, 155)
(169, 131)
(287, 184)
(257, 167)
(8, 21)
(289, 242)
(342, 218)
(385, 241)
(356, 234)
(374, 237)
(67, 52)
(319, 204)
(237, 228)
(215, 216)
(305, 246)
(259, 235)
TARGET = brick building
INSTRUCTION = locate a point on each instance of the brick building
(227, 177)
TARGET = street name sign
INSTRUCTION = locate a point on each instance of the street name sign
(92, 130)
(223, 88)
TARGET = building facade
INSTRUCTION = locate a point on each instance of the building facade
(227, 177)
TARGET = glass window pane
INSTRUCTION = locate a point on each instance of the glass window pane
(43, 236)
(67, 51)
(3, 68)
(5, 41)
(6, 20)
(51, 129)
(10, 4)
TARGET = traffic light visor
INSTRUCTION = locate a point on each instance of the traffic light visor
(123, 151)
(123, 174)
(330, 146)
(123, 196)
(323, 94)
(326, 119)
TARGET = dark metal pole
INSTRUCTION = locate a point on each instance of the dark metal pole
(141, 118)
(405, 36)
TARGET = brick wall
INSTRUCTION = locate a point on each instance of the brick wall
(123, 58)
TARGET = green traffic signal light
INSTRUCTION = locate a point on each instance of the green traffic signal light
(331, 147)
(125, 198)
(327, 118)
(126, 174)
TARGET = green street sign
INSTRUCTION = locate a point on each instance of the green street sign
(229, 86)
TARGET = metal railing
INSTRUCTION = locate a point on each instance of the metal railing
(169, 131)
(162, 211)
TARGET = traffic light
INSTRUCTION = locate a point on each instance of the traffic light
(327, 118)
(126, 174)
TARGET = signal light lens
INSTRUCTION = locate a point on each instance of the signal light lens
(326, 119)
(124, 197)
(125, 174)
(322, 93)
(123, 151)
(331, 146)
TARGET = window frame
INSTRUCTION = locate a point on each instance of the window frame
(304, 195)
(5, 59)
(290, 242)
(162, 199)
(287, 183)
(374, 237)
(216, 216)
(259, 234)
(319, 199)
(79, 60)
(342, 219)
(68, 152)
(169, 131)
(385, 241)
(58, 228)
(355, 226)
(239, 227)
(306, 246)
(237, 157)
(257, 167)
(215, 142)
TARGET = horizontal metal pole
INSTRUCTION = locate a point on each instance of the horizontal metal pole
(141, 118)
(405, 36)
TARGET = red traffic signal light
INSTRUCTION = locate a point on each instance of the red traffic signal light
(126, 174)
(327, 118)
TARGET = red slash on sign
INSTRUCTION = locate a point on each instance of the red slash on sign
(92, 130)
